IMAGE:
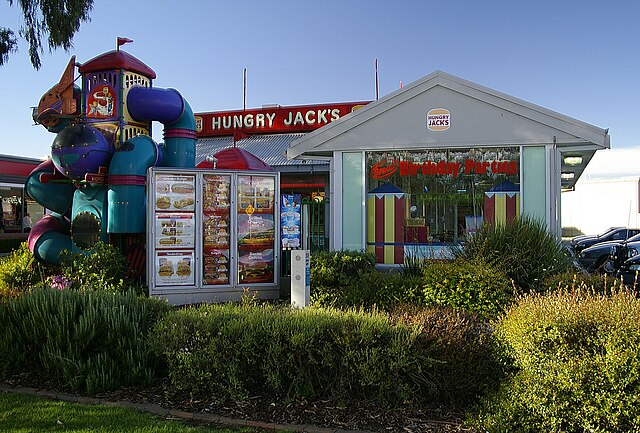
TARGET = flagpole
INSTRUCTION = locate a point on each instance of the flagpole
(376, 78)
(244, 89)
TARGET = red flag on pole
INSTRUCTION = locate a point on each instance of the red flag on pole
(122, 41)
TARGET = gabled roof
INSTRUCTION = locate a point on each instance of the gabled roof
(479, 117)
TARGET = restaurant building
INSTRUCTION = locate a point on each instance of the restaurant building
(428, 164)
(15, 202)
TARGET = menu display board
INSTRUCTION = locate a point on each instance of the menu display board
(175, 230)
(212, 233)
(256, 229)
(174, 268)
(175, 192)
(216, 225)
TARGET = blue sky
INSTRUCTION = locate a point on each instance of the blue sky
(579, 58)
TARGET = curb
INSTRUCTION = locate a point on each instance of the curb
(156, 409)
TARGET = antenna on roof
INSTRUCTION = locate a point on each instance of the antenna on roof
(376, 64)
(244, 89)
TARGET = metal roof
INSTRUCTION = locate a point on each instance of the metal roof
(270, 148)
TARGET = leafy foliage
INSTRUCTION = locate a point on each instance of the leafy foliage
(19, 272)
(576, 358)
(333, 271)
(89, 341)
(471, 285)
(55, 20)
(232, 352)
(523, 247)
(102, 269)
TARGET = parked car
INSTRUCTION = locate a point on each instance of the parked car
(608, 256)
(579, 243)
(630, 271)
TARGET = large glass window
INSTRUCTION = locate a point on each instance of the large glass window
(421, 201)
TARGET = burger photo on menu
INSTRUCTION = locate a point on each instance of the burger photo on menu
(184, 267)
(256, 267)
(166, 268)
(256, 273)
(255, 229)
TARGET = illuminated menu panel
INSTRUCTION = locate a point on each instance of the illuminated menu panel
(256, 229)
(174, 220)
(216, 223)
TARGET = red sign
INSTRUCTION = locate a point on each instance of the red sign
(270, 120)
(101, 102)
(387, 167)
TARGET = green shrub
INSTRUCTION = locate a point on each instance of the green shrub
(89, 341)
(576, 358)
(472, 285)
(523, 247)
(237, 351)
(104, 268)
(335, 269)
(463, 344)
(19, 272)
(369, 289)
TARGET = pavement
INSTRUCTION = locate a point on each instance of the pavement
(156, 409)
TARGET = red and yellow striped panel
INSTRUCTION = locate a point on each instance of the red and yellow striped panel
(386, 216)
(501, 207)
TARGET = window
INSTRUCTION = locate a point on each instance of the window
(420, 202)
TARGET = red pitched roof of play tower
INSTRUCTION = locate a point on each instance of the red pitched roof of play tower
(117, 60)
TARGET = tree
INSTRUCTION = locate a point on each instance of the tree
(55, 20)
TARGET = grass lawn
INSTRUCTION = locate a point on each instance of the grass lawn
(21, 414)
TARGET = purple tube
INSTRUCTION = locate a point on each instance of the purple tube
(147, 103)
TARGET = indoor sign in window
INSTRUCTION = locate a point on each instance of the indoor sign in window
(420, 202)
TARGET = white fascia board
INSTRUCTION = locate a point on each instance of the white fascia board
(583, 132)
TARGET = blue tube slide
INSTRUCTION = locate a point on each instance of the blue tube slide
(127, 176)
(173, 111)
(49, 237)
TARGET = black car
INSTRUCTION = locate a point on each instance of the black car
(579, 243)
(608, 256)
(630, 271)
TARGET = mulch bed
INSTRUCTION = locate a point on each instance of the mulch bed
(365, 417)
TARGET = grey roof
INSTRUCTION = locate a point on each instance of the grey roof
(270, 148)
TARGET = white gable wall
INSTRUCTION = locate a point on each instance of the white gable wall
(479, 117)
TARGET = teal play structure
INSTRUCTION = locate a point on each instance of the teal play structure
(94, 184)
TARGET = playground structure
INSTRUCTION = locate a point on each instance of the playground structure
(94, 183)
